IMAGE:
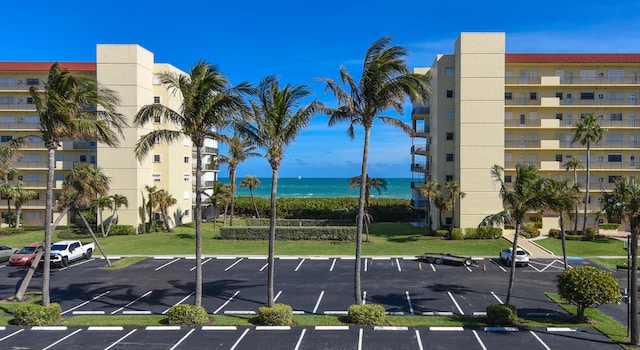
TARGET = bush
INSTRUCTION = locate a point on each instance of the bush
(456, 234)
(122, 230)
(367, 314)
(183, 314)
(300, 222)
(290, 233)
(441, 233)
(590, 234)
(555, 233)
(532, 228)
(584, 286)
(10, 231)
(500, 314)
(609, 226)
(483, 233)
(278, 315)
(36, 314)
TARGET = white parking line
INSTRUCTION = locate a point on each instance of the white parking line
(239, 339)
(62, 339)
(77, 264)
(105, 328)
(468, 268)
(86, 302)
(366, 264)
(226, 302)
(333, 264)
(277, 296)
(234, 264)
(419, 339)
(498, 265)
(433, 267)
(182, 339)
(178, 303)
(81, 312)
(331, 328)
(204, 262)
(447, 329)
(136, 312)
(479, 340)
(300, 339)
(131, 303)
(219, 328)
(300, 264)
(11, 335)
(119, 340)
(540, 340)
(497, 298)
(364, 297)
(167, 264)
(264, 267)
(455, 303)
(318, 302)
(409, 301)
(360, 333)
(398, 263)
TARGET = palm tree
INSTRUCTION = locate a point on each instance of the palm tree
(240, 149)
(574, 164)
(208, 102)
(587, 132)
(384, 84)
(151, 194)
(275, 121)
(7, 171)
(567, 197)
(526, 194)
(377, 183)
(251, 182)
(75, 107)
(455, 194)
(20, 195)
(429, 189)
(164, 200)
(443, 204)
(624, 202)
(117, 201)
(99, 205)
(219, 194)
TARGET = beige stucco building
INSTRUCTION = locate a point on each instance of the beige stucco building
(491, 107)
(131, 72)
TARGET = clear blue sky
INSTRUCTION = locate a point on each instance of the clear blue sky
(303, 40)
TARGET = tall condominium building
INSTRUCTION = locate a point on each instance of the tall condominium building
(131, 72)
(491, 107)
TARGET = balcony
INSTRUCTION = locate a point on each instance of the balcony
(20, 86)
(18, 106)
(419, 204)
(84, 145)
(420, 166)
(30, 165)
(421, 129)
(522, 144)
(574, 102)
(420, 110)
(206, 150)
(207, 167)
(420, 148)
(19, 126)
(626, 80)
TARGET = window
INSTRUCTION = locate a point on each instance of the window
(156, 80)
(615, 95)
(614, 158)
(559, 95)
(523, 119)
(587, 74)
(186, 212)
(508, 116)
(450, 72)
(29, 100)
(33, 81)
(558, 157)
(448, 178)
(587, 96)
(156, 99)
(156, 140)
(156, 177)
(186, 177)
(449, 157)
(449, 136)
(507, 178)
(449, 114)
(449, 93)
(156, 119)
(533, 95)
(448, 221)
(615, 116)
(156, 158)
(559, 116)
(614, 178)
(6, 138)
(616, 74)
(508, 96)
(186, 160)
(83, 158)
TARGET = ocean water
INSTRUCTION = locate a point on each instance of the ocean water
(322, 188)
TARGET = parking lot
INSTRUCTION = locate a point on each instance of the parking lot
(237, 286)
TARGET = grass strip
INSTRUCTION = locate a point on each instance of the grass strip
(603, 323)
(124, 262)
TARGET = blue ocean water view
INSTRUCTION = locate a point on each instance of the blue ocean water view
(398, 188)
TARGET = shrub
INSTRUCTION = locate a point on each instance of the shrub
(36, 314)
(441, 233)
(555, 233)
(590, 234)
(367, 314)
(609, 226)
(10, 231)
(532, 228)
(525, 234)
(483, 233)
(183, 314)
(456, 234)
(122, 230)
(278, 315)
(500, 314)
(584, 286)
(292, 233)
(300, 222)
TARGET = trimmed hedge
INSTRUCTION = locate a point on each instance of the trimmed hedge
(609, 226)
(10, 231)
(456, 234)
(73, 233)
(367, 314)
(502, 315)
(482, 233)
(441, 233)
(36, 314)
(183, 314)
(290, 233)
(300, 222)
(278, 315)
(121, 230)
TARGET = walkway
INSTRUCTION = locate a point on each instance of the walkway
(534, 250)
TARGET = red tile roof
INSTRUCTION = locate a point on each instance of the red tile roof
(45, 66)
(572, 58)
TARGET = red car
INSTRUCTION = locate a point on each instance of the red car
(25, 255)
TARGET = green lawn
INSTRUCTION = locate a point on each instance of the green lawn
(399, 239)
(601, 247)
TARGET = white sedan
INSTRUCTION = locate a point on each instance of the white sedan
(521, 257)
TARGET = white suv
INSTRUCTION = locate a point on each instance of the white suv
(521, 257)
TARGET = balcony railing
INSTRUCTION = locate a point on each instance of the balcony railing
(30, 164)
(419, 166)
(206, 167)
(19, 126)
(633, 80)
(575, 102)
(522, 144)
(420, 148)
(420, 110)
(84, 145)
(419, 203)
(207, 150)
(20, 87)
(604, 122)
(18, 106)
(596, 164)
(421, 129)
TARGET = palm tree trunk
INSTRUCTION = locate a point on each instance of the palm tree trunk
(586, 196)
(635, 336)
(27, 278)
(197, 211)
(575, 219)
(18, 214)
(165, 216)
(113, 216)
(512, 275)
(272, 238)
(95, 239)
(102, 224)
(253, 200)
(232, 183)
(215, 219)
(453, 219)
(357, 285)
(48, 218)
(564, 241)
